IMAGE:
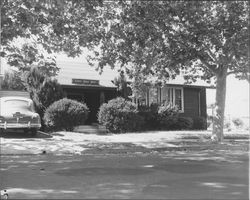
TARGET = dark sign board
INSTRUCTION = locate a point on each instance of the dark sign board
(85, 82)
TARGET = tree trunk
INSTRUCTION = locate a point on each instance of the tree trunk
(218, 121)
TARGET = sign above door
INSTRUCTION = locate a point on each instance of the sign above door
(85, 82)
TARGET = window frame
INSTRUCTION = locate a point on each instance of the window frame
(172, 96)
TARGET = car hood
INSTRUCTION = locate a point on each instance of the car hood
(7, 113)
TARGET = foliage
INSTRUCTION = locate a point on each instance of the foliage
(59, 25)
(200, 123)
(45, 27)
(168, 111)
(238, 122)
(150, 116)
(28, 55)
(167, 116)
(205, 39)
(12, 81)
(227, 125)
(49, 92)
(34, 78)
(65, 114)
(120, 115)
(122, 86)
(43, 90)
(162, 38)
(183, 123)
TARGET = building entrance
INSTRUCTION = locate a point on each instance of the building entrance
(93, 99)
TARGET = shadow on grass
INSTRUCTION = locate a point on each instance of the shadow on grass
(23, 134)
(103, 171)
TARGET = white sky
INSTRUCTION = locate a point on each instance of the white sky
(237, 97)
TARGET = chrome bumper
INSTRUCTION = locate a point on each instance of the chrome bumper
(6, 125)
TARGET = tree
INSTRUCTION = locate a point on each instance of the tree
(12, 81)
(122, 86)
(47, 27)
(58, 25)
(208, 39)
(28, 54)
(43, 90)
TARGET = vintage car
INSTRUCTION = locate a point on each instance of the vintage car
(17, 113)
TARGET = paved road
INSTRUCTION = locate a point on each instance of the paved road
(165, 175)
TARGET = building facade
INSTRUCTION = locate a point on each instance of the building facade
(83, 83)
(190, 100)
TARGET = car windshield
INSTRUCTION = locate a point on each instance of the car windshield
(18, 104)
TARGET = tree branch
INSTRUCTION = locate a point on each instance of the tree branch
(211, 67)
(210, 53)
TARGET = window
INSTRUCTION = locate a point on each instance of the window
(19, 105)
(174, 96)
(154, 95)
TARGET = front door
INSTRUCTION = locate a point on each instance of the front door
(92, 99)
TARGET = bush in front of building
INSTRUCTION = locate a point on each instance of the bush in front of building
(65, 114)
(119, 116)
(238, 123)
(199, 123)
(43, 90)
(183, 123)
(150, 116)
(167, 116)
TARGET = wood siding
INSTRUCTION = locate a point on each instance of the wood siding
(194, 102)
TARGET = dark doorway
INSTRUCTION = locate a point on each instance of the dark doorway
(92, 99)
(76, 97)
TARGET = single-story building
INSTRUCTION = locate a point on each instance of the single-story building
(81, 82)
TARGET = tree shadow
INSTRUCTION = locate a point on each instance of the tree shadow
(18, 134)
(202, 187)
(187, 167)
(96, 171)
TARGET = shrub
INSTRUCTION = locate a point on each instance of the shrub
(65, 114)
(200, 123)
(150, 116)
(238, 123)
(227, 125)
(183, 123)
(119, 115)
(167, 116)
(48, 92)
(42, 89)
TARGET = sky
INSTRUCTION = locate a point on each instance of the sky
(237, 97)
